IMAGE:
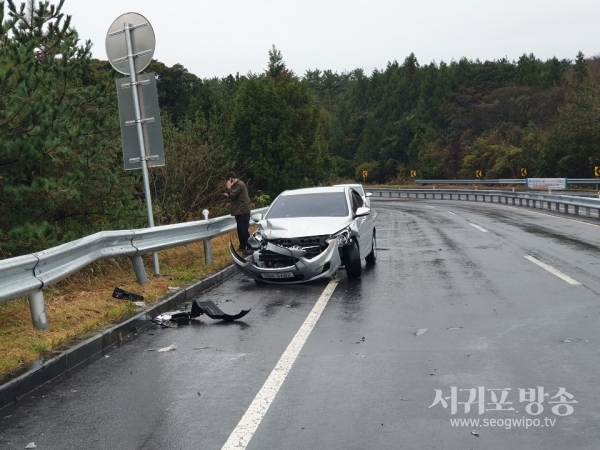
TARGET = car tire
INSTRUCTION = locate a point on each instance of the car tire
(353, 267)
(372, 257)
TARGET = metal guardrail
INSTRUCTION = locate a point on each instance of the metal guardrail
(500, 181)
(504, 181)
(30, 274)
(567, 204)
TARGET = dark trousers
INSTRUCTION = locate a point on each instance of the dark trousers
(243, 222)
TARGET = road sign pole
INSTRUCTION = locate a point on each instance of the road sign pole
(140, 133)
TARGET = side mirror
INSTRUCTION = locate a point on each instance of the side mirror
(257, 217)
(362, 211)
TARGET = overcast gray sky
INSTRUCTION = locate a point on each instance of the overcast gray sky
(222, 37)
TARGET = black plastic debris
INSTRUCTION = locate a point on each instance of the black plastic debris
(180, 317)
(122, 294)
(209, 308)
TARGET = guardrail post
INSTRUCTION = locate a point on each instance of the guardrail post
(208, 250)
(38, 310)
(208, 253)
(576, 212)
(587, 211)
(140, 271)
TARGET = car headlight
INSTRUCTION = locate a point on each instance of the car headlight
(342, 236)
(256, 240)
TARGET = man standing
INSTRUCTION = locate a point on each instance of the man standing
(237, 192)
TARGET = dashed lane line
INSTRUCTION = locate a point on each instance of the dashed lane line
(478, 227)
(552, 270)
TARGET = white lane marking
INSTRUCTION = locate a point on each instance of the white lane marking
(430, 207)
(552, 270)
(248, 424)
(454, 214)
(478, 227)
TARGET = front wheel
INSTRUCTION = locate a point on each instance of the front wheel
(353, 267)
(372, 257)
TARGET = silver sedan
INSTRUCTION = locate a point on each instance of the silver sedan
(308, 234)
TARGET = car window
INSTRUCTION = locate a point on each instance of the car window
(325, 204)
(357, 200)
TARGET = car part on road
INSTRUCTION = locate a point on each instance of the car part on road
(122, 294)
(162, 350)
(208, 307)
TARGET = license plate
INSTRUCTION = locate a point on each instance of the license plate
(278, 275)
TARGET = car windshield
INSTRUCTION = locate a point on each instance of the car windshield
(325, 204)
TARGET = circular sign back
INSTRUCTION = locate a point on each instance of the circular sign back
(142, 42)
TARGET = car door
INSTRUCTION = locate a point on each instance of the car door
(364, 225)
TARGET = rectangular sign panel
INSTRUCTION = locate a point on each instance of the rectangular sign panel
(547, 183)
(150, 118)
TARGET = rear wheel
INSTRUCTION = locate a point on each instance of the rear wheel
(353, 268)
(372, 257)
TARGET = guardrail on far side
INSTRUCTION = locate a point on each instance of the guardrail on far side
(30, 274)
(566, 204)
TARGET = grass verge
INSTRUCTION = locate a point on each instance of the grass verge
(83, 303)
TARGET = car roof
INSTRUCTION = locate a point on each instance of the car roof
(315, 190)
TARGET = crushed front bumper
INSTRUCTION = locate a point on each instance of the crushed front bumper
(324, 265)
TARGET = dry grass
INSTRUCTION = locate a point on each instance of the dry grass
(83, 303)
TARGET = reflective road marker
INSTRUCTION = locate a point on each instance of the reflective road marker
(552, 270)
(247, 426)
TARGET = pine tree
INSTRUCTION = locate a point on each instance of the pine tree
(280, 130)
(60, 156)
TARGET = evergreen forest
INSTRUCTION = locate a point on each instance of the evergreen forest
(61, 161)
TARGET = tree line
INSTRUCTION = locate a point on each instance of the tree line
(61, 169)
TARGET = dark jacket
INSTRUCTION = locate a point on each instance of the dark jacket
(240, 201)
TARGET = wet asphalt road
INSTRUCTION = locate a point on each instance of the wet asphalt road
(366, 377)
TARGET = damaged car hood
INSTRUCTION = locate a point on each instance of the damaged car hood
(309, 226)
